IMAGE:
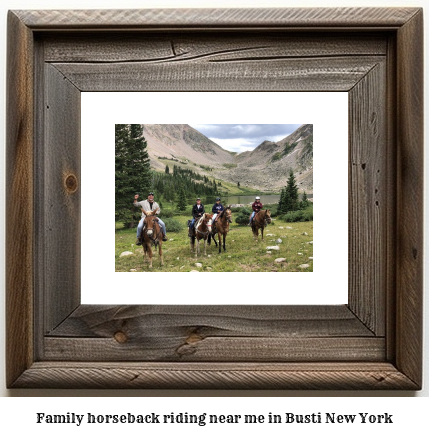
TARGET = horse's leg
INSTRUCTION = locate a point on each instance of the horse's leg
(197, 251)
(149, 250)
(205, 243)
(214, 239)
(160, 254)
(220, 242)
(262, 233)
(224, 238)
(144, 252)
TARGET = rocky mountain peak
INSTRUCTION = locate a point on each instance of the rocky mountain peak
(266, 168)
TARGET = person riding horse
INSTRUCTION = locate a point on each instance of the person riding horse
(146, 206)
(217, 209)
(197, 213)
(256, 206)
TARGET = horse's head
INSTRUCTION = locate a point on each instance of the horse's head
(204, 221)
(268, 216)
(150, 224)
(228, 214)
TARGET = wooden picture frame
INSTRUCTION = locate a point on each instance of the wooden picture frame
(373, 342)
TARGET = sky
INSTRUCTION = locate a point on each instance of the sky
(244, 137)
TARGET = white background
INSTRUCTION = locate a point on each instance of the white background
(18, 413)
(327, 284)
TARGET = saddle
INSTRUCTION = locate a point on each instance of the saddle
(253, 219)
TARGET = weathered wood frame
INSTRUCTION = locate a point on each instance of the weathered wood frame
(373, 342)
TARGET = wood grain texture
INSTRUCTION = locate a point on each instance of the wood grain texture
(61, 205)
(368, 173)
(99, 321)
(208, 18)
(213, 333)
(391, 193)
(202, 46)
(329, 74)
(378, 376)
(193, 348)
(373, 343)
(19, 200)
(409, 273)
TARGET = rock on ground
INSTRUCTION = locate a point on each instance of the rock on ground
(126, 253)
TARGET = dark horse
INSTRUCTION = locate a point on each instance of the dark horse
(151, 235)
(260, 221)
(200, 231)
(221, 227)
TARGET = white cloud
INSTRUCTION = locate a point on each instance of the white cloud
(244, 137)
(238, 145)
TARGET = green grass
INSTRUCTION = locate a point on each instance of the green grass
(243, 253)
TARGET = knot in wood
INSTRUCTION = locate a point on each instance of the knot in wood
(120, 337)
(71, 183)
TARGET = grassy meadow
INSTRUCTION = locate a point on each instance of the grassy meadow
(243, 254)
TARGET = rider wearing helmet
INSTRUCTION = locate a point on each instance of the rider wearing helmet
(256, 206)
(217, 209)
(197, 213)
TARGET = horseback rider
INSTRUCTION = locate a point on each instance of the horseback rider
(148, 205)
(217, 209)
(256, 206)
(197, 213)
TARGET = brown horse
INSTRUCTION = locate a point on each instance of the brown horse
(260, 221)
(221, 227)
(151, 235)
(200, 231)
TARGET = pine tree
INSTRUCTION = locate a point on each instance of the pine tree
(122, 203)
(281, 204)
(291, 194)
(167, 170)
(132, 170)
(304, 203)
(181, 201)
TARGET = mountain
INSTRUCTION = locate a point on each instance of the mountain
(182, 144)
(264, 169)
(267, 166)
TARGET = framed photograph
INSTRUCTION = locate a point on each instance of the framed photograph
(373, 341)
(287, 247)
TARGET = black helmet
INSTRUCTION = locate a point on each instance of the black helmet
(217, 199)
(150, 193)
